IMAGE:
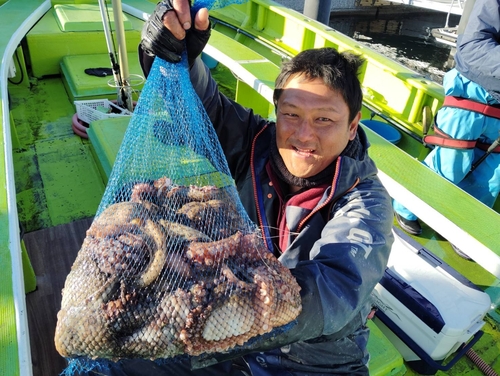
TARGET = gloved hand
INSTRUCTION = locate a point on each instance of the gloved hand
(196, 40)
(158, 40)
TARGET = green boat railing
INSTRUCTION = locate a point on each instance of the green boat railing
(16, 18)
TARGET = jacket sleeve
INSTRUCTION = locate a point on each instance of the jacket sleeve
(478, 48)
(145, 60)
(346, 263)
(235, 125)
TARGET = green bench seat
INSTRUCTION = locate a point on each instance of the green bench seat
(105, 139)
(60, 32)
(185, 166)
(79, 85)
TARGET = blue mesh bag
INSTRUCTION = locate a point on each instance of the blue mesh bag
(171, 265)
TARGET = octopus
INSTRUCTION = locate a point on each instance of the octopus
(174, 270)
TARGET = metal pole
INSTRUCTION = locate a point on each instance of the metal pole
(318, 10)
(126, 89)
(111, 49)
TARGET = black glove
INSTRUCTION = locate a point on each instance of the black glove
(157, 40)
(196, 40)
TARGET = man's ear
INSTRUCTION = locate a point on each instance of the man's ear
(353, 126)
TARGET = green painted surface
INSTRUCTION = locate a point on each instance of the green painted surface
(84, 17)
(46, 38)
(225, 80)
(72, 185)
(146, 6)
(82, 86)
(255, 64)
(28, 271)
(384, 357)
(57, 180)
(105, 137)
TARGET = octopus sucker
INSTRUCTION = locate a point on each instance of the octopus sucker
(175, 270)
(213, 252)
(143, 192)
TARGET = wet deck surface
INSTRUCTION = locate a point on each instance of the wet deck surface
(52, 252)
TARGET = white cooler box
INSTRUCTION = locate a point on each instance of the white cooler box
(426, 308)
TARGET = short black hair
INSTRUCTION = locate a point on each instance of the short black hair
(338, 70)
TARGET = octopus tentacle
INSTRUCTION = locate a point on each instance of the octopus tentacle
(213, 252)
(187, 233)
(159, 256)
(112, 230)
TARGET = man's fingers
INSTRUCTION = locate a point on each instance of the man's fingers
(201, 21)
(182, 9)
(172, 23)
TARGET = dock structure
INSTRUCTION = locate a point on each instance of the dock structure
(446, 6)
(445, 35)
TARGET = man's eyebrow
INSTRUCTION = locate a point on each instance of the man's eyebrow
(330, 109)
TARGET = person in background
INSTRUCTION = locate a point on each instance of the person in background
(468, 124)
(308, 182)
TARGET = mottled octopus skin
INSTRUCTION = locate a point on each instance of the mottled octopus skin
(175, 270)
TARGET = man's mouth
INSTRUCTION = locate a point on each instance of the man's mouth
(305, 152)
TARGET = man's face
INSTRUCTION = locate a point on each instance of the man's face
(312, 126)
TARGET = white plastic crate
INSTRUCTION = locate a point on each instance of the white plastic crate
(98, 109)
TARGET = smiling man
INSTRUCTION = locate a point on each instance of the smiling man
(312, 118)
(309, 184)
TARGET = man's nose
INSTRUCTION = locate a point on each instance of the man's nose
(304, 130)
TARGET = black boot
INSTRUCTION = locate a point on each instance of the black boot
(411, 227)
(461, 253)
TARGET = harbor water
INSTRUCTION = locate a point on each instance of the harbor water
(401, 32)
(403, 37)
